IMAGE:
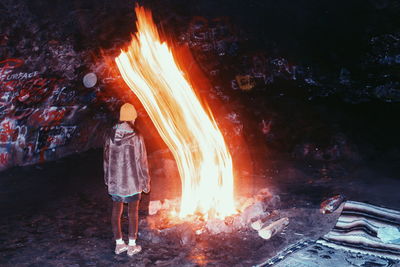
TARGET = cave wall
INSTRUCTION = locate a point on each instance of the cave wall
(313, 79)
(291, 76)
(48, 107)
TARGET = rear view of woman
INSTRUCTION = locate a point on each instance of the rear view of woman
(126, 176)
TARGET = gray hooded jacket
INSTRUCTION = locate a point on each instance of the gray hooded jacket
(125, 162)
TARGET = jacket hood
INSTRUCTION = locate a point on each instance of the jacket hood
(122, 131)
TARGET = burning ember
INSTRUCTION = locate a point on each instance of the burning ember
(149, 68)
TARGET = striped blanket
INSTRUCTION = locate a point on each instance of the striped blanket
(358, 228)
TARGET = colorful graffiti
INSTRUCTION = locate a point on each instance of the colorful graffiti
(55, 136)
(52, 116)
(34, 111)
(4, 158)
(20, 88)
(245, 82)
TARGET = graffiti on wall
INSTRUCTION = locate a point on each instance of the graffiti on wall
(55, 136)
(33, 112)
(3, 158)
(23, 87)
(216, 41)
(52, 116)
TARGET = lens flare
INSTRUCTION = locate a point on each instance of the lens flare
(150, 70)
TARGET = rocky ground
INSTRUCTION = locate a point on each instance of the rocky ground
(57, 214)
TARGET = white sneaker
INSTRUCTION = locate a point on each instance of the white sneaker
(132, 250)
(121, 248)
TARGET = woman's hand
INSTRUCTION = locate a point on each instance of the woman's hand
(146, 190)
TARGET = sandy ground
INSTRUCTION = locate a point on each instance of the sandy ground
(57, 214)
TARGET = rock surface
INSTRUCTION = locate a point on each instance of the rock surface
(60, 216)
(340, 75)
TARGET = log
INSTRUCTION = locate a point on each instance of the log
(258, 224)
(268, 231)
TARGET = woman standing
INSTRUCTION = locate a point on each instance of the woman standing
(126, 176)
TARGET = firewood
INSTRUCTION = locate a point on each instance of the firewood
(272, 229)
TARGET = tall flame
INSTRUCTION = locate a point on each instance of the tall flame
(204, 163)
